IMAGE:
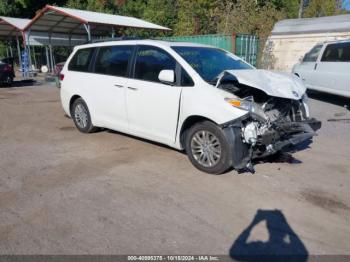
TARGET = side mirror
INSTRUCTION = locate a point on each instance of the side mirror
(167, 76)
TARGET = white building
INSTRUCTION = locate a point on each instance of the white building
(291, 39)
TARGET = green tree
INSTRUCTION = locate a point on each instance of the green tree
(10, 8)
(105, 6)
(290, 8)
(197, 17)
(162, 12)
(317, 8)
(25, 8)
(135, 8)
(250, 17)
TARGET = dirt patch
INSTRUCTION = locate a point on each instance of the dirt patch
(321, 199)
(7, 95)
(339, 168)
(67, 128)
(45, 101)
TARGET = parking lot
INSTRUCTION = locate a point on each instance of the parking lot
(64, 192)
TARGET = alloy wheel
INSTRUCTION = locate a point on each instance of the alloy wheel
(206, 148)
(81, 116)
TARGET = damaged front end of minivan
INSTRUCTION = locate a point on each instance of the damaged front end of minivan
(277, 114)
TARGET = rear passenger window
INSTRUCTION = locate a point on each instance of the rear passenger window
(113, 60)
(81, 60)
(150, 61)
(337, 53)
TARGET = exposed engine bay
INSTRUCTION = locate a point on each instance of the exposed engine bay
(273, 122)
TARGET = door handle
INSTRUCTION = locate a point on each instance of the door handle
(132, 88)
(119, 86)
(315, 66)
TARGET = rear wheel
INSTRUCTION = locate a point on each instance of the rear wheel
(8, 81)
(81, 116)
(207, 148)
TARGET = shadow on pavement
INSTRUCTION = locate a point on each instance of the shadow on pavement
(24, 83)
(283, 243)
(329, 98)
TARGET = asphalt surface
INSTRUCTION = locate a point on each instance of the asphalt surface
(64, 192)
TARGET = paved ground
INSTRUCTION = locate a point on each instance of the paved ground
(63, 192)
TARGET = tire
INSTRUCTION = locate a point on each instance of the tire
(81, 117)
(207, 148)
(9, 81)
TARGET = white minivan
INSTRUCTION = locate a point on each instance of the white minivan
(326, 68)
(192, 97)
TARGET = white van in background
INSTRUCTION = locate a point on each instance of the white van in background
(326, 68)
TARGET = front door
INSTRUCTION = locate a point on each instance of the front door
(308, 66)
(153, 106)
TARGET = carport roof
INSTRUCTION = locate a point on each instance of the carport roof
(11, 27)
(52, 19)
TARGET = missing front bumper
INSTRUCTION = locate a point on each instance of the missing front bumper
(273, 140)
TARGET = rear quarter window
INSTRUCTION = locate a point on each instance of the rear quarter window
(81, 60)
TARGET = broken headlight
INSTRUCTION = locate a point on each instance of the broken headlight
(249, 105)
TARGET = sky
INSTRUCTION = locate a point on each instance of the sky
(346, 4)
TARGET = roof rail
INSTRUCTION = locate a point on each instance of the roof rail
(116, 39)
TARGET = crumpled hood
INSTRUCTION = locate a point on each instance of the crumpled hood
(272, 83)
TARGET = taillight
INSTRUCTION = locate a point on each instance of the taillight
(8, 68)
(61, 77)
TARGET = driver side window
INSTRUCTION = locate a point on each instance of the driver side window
(150, 61)
(312, 55)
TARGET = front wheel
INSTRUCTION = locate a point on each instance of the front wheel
(81, 116)
(207, 148)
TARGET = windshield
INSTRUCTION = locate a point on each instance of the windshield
(210, 62)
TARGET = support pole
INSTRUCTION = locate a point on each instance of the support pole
(88, 31)
(29, 57)
(35, 64)
(47, 58)
(70, 41)
(19, 53)
(11, 52)
(233, 40)
(28, 50)
(51, 58)
(50, 53)
(53, 61)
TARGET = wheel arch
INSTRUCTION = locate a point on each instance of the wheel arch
(71, 102)
(188, 123)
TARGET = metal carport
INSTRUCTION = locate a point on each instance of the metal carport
(70, 23)
(58, 26)
(12, 29)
